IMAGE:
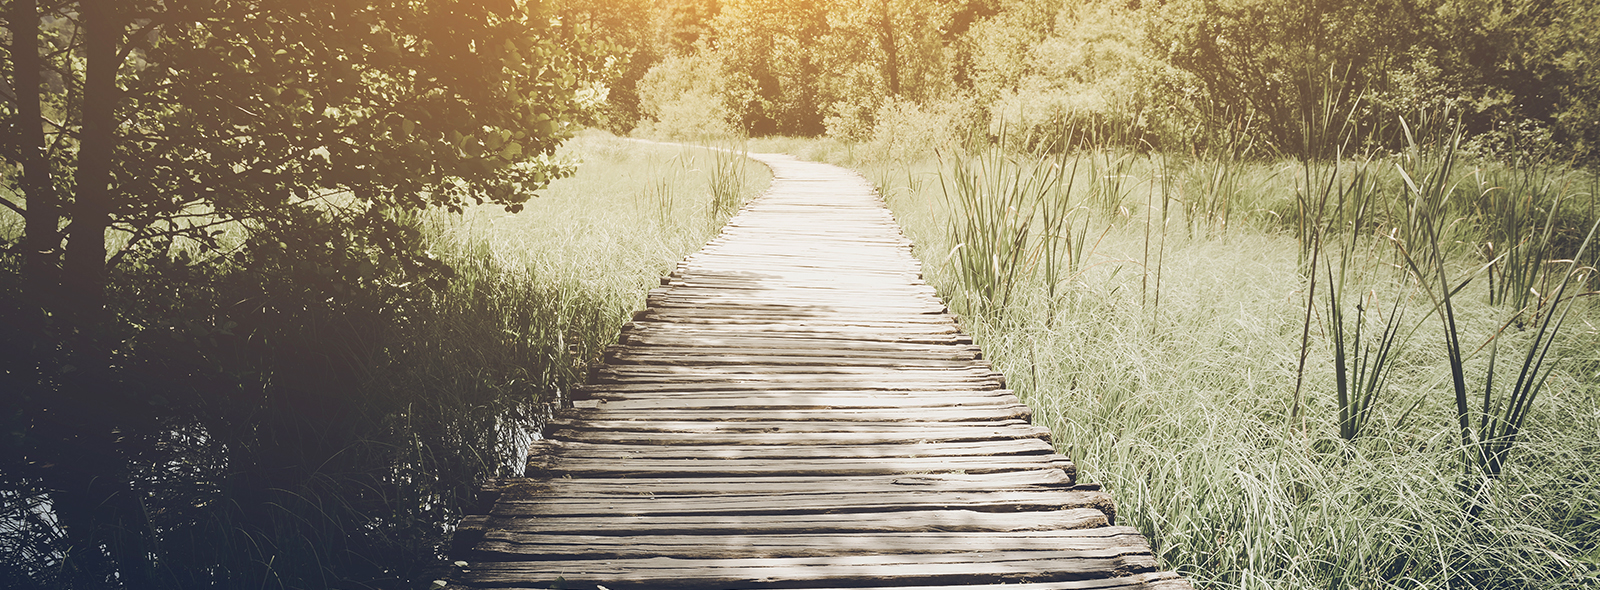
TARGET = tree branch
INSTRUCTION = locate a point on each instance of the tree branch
(13, 206)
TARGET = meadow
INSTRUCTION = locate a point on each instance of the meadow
(1169, 318)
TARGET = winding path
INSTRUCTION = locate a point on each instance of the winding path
(796, 409)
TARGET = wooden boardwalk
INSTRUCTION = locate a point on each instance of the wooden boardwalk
(796, 409)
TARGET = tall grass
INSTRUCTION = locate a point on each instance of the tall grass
(1015, 217)
(585, 253)
(1185, 414)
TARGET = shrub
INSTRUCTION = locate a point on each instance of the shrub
(693, 97)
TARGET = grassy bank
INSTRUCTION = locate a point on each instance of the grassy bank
(585, 252)
(315, 422)
(1154, 312)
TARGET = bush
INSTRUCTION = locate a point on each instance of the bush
(693, 98)
(905, 131)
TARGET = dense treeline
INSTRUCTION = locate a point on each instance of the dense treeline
(1519, 75)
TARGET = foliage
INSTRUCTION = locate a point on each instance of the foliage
(693, 97)
(220, 251)
(801, 68)
(322, 422)
(1176, 75)
(905, 131)
(1092, 74)
(620, 31)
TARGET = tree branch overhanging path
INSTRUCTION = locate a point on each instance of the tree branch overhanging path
(797, 409)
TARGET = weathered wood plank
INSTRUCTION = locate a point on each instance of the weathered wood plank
(755, 388)
(939, 333)
(806, 503)
(813, 400)
(733, 319)
(798, 524)
(1022, 447)
(710, 434)
(792, 344)
(1144, 581)
(1101, 541)
(534, 489)
(781, 373)
(866, 430)
(755, 359)
(576, 466)
(664, 572)
(935, 414)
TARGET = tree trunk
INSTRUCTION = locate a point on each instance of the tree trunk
(94, 493)
(84, 269)
(41, 230)
(891, 49)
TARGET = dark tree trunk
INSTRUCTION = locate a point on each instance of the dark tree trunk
(84, 269)
(891, 49)
(93, 491)
(41, 230)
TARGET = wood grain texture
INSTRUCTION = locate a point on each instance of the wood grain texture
(796, 408)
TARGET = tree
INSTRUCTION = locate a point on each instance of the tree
(1270, 60)
(167, 130)
(776, 43)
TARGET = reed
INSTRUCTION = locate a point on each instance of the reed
(1361, 366)
(1502, 419)
(1181, 413)
(1518, 239)
(729, 182)
(1010, 212)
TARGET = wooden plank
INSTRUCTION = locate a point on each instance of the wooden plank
(525, 545)
(782, 401)
(701, 392)
(756, 381)
(662, 572)
(753, 388)
(710, 435)
(819, 502)
(791, 284)
(564, 465)
(533, 489)
(953, 520)
(732, 321)
(941, 333)
(965, 374)
(1022, 447)
(710, 356)
(796, 344)
(937, 414)
(866, 430)
(1141, 581)
(792, 305)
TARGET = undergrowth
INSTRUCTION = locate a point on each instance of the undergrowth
(1166, 362)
